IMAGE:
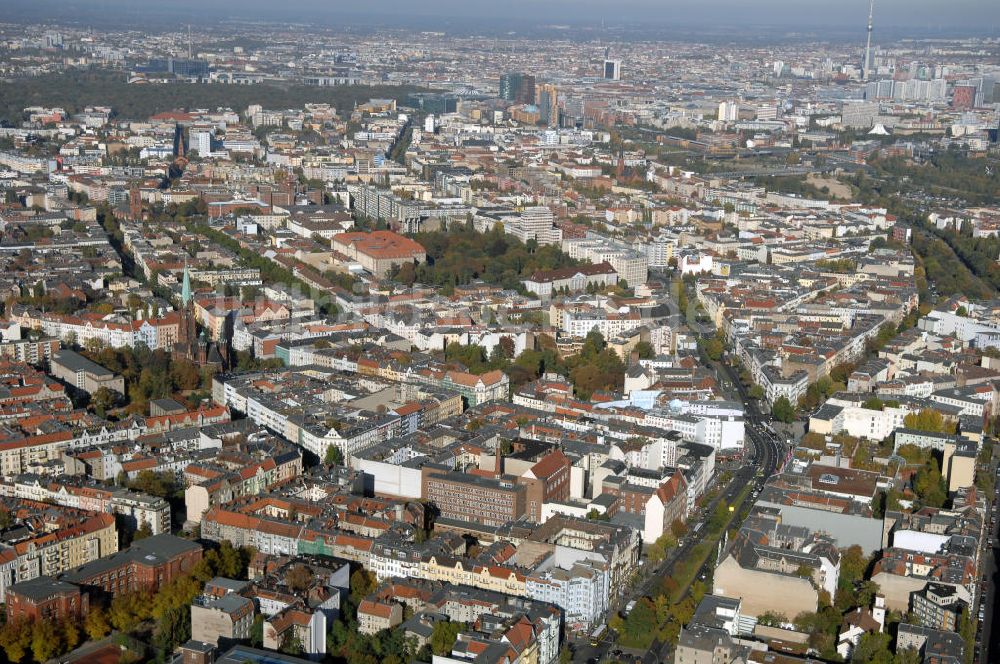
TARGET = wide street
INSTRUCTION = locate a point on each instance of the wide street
(768, 451)
(988, 637)
(585, 652)
(764, 454)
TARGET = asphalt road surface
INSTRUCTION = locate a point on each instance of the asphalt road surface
(988, 638)
(765, 452)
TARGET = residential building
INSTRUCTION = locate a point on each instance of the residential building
(222, 620)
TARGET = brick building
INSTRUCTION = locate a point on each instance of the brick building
(45, 598)
(146, 565)
(483, 500)
(656, 501)
(545, 482)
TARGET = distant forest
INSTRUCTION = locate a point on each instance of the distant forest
(74, 90)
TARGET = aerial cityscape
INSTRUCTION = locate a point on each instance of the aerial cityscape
(517, 334)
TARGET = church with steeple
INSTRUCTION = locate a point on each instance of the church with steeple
(192, 346)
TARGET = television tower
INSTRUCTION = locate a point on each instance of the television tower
(868, 46)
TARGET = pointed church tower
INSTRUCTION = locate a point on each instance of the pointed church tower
(186, 327)
(186, 286)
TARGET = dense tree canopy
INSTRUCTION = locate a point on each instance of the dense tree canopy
(948, 173)
(931, 420)
(714, 348)
(597, 367)
(75, 89)
(950, 259)
(461, 255)
(148, 374)
(818, 392)
(929, 484)
(844, 265)
(783, 410)
(945, 270)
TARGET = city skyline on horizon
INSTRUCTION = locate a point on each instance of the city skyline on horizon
(499, 334)
(921, 18)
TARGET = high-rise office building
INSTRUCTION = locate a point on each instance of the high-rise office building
(613, 70)
(911, 90)
(859, 115)
(518, 87)
(767, 111)
(729, 111)
(537, 221)
(984, 90)
(548, 104)
(175, 66)
(189, 67)
(439, 103)
(201, 140)
(990, 91)
(507, 84)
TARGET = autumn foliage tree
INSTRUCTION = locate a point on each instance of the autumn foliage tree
(596, 367)
(931, 420)
(41, 639)
(298, 578)
(783, 410)
(929, 484)
(15, 639)
(96, 624)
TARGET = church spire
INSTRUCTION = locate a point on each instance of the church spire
(186, 286)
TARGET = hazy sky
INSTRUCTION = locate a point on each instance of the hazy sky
(892, 15)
